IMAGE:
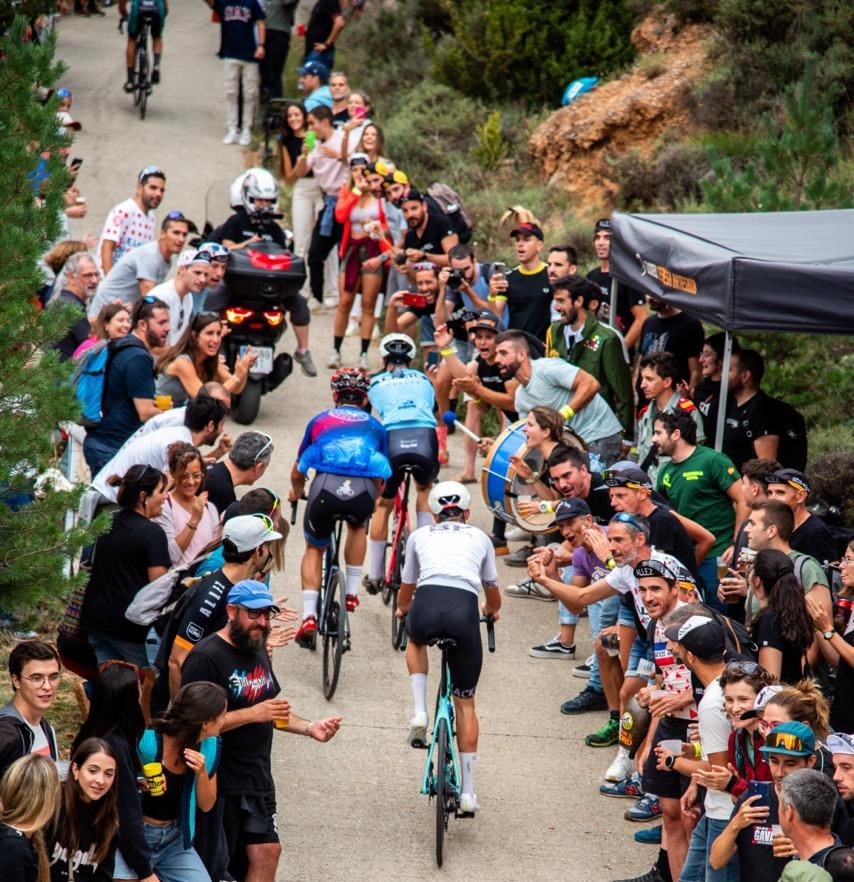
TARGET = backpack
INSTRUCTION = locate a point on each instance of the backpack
(792, 451)
(88, 380)
(738, 644)
(451, 206)
(161, 596)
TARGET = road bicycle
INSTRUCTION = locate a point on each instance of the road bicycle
(442, 778)
(333, 621)
(142, 65)
(394, 570)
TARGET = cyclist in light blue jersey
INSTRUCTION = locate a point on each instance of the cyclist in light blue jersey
(404, 401)
(348, 449)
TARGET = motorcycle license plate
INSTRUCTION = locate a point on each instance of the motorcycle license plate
(264, 364)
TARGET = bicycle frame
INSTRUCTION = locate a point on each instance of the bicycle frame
(401, 516)
(331, 568)
(444, 711)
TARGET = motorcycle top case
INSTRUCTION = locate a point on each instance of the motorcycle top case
(265, 271)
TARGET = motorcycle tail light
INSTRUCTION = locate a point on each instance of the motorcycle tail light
(236, 315)
(274, 317)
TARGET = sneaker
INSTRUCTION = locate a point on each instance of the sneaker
(583, 671)
(500, 546)
(245, 137)
(316, 306)
(352, 328)
(519, 558)
(517, 534)
(330, 302)
(468, 804)
(607, 736)
(647, 808)
(307, 634)
(586, 700)
(230, 137)
(363, 361)
(334, 360)
(155, 73)
(650, 836)
(628, 788)
(553, 649)
(652, 876)
(620, 769)
(418, 730)
(372, 586)
(306, 362)
(352, 601)
(528, 589)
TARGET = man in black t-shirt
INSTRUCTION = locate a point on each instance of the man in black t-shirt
(236, 658)
(80, 282)
(325, 23)
(810, 535)
(242, 229)
(525, 292)
(669, 329)
(429, 236)
(246, 463)
(751, 430)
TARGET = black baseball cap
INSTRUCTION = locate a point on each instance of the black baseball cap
(701, 635)
(411, 195)
(792, 477)
(569, 508)
(634, 478)
(604, 223)
(528, 230)
(486, 320)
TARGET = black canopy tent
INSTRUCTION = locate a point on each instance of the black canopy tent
(781, 271)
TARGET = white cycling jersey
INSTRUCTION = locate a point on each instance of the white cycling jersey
(452, 554)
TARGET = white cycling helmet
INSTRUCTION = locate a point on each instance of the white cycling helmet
(449, 494)
(397, 348)
(258, 183)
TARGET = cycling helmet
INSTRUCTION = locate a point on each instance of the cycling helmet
(214, 250)
(449, 494)
(397, 348)
(258, 184)
(350, 384)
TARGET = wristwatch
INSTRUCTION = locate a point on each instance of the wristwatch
(669, 762)
(828, 635)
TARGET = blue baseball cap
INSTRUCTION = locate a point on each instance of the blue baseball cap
(252, 594)
(314, 68)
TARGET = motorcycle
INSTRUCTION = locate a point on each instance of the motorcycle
(260, 283)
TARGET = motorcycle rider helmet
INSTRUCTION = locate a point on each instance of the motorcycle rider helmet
(235, 191)
(397, 348)
(350, 385)
(258, 183)
(449, 494)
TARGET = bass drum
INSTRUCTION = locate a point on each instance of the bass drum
(502, 490)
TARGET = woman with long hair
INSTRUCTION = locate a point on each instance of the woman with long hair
(364, 239)
(29, 796)
(359, 110)
(836, 643)
(372, 142)
(115, 715)
(803, 702)
(131, 554)
(81, 843)
(291, 138)
(112, 323)
(783, 630)
(189, 521)
(543, 431)
(195, 360)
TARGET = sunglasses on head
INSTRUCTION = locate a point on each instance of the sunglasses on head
(266, 447)
(266, 520)
(276, 501)
(743, 667)
(623, 517)
(151, 171)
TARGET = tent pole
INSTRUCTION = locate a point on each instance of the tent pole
(722, 400)
(612, 313)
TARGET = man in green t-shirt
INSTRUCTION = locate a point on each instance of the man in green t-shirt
(701, 484)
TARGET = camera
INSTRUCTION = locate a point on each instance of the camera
(456, 279)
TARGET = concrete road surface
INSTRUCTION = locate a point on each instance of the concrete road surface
(351, 809)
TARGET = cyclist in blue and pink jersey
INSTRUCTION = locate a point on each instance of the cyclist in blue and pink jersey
(348, 449)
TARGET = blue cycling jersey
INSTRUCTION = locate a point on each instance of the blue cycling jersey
(345, 441)
(403, 399)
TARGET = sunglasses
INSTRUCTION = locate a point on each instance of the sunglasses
(785, 741)
(623, 517)
(265, 448)
(255, 614)
(266, 520)
(175, 215)
(151, 171)
(743, 667)
(276, 501)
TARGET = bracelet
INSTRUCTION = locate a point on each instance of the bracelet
(307, 728)
(448, 350)
(192, 526)
(698, 751)
(610, 562)
(567, 412)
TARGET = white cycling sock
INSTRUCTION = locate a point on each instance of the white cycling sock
(376, 547)
(418, 682)
(309, 604)
(423, 519)
(352, 577)
(467, 763)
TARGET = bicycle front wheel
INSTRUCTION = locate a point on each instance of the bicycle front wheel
(443, 786)
(334, 636)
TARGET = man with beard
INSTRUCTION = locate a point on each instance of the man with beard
(669, 329)
(236, 657)
(562, 261)
(841, 747)
(429, 237)
(127, 400)
(751, 430)
(132, 223)
(581, 339)
(80, 281)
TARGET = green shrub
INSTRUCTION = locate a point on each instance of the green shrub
(491, 148)
(662, 182)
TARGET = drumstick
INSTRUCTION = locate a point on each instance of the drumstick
(449, 417)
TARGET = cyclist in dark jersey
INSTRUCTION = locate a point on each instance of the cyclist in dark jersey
(348, 449)
(449, 561)
(156, 11)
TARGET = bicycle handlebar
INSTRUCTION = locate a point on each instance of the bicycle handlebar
(490, 632)
(294, 509)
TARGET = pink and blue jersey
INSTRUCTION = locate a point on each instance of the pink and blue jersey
(345, 441)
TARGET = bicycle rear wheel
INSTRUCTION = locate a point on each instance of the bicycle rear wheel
(397, 625)
(334, 636)
(142, 84)
(442, 788)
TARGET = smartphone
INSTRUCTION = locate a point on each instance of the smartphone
(311, 140)
(758, 788)
(432, 358)
(416, 300)
(499, 268)
(359, 112)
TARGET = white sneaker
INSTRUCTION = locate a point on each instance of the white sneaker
(468, 803)
(334, 360)
(418, 730)
(245, 138)
(316, 306)
(230, 137)
(352, 328)
(517, 534)
(621, 768)
(330, 302)
(363, 361)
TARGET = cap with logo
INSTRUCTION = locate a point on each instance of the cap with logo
(763, 696)
(604, 223)
(252, 595)
(633, 478)
(839, 742)
(528, 230)
(314, 69)
(792, 477)
(790, 739)
(702, 636)
(572, 507)
(486, 320)
(247, 532)
(662, 565)
(190, 256)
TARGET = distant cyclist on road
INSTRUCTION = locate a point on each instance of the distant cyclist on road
(157, 11)
(404, 401)
(347, 448)
(449, 561)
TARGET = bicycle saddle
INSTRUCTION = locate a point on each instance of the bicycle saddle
(443, 642)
